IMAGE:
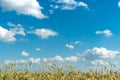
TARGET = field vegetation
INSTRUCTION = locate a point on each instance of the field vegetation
(53, 71)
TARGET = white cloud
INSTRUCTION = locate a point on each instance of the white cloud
(100, 53)
(33, 60)
(45, 33)
(57, 58)
(14, 25)
(106, 32)
(15, 61)
(44, 59)
(68, 4)
(78, 42)
(72, 45)
(38, 49)
(25, 7)
(99, 62)
(9, 35)
(61, 59)
(71, 59)
(54, 6)
(119, 4)
(83, 4)
(24, 53)
(36, 60)
(69, 46)
(18, 30)
(6, 35)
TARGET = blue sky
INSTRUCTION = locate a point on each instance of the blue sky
(60, 30)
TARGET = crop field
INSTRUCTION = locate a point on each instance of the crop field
(58, 76)
(53, 71)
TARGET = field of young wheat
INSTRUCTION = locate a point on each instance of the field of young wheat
(53, 71)
(59, 76)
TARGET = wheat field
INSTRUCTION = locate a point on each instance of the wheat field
(53, 72)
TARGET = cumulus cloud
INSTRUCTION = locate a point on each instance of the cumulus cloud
(61, 59)
(106, 32)
(72, 59)
(99, 62)
(25, 7)
(100, 53)
(57, 58)
(9, 35)
(68, 4)
(6, 35)
(69, 46)
(34, 60)
(15, 61)
(16, 28)
(44, 33)
(24, 53)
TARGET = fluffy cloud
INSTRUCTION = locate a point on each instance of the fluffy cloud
(99, 62)
(57, 58)
(69, 46)
(71, 59)
(25, 7)
(16, 28)
(6, 35)
(33, 60)
(14, 25)
(24, 53)
(15, 61)
(68, 4)
(83, 4)
(100, 53)
(45, 33)
(61, 59)
(36, 60)
(106, 32)
(72, 45)
(9, 35)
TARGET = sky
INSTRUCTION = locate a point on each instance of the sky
(77, 31)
